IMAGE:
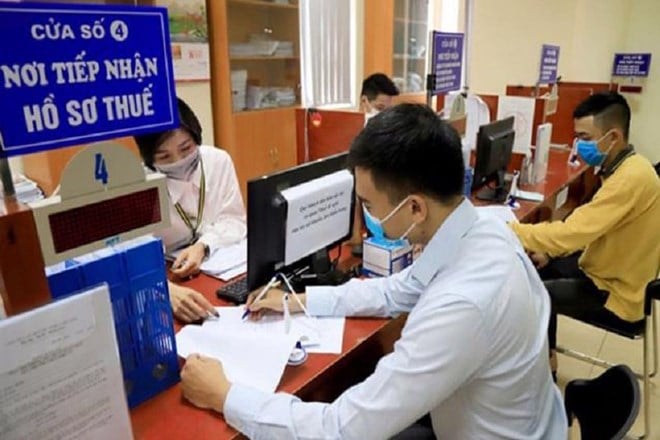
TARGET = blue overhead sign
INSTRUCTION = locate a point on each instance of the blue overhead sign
(74, 74)
(447, 61)
(631, 64)
(549, 64)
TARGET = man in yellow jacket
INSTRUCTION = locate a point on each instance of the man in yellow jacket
(600, 258)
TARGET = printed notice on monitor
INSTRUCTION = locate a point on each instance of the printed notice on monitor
(318, 214)
(60, 375)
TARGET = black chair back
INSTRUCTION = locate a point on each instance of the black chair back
(606, 406)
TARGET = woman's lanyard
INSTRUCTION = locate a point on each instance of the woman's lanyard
(200, 208)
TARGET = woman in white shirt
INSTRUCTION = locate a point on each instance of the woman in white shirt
(206, 210)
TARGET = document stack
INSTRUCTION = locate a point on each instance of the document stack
(269, 97)
(284, 49)
(258, 47)
(27, 190)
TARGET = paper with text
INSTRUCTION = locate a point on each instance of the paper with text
(317, 335)
(319, 213)
(257, 362)
(60, 375)
(522, 109)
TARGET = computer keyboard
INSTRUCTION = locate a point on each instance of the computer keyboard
(234, 291)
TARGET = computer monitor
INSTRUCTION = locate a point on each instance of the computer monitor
(267, 222)
(494, 148)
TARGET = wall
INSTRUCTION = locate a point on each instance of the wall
(507, 36)
(599, 31)
(198, 97)
(643, 35)
(506, 39)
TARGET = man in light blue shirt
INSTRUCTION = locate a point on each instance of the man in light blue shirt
(473, 352)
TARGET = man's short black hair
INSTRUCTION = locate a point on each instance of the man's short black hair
(149, 143)
(408, 149)
(378, 84)
(609, 109)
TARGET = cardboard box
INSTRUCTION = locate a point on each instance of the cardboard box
(381, 259)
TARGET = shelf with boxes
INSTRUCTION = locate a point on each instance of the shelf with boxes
(255, 83)
(263, 54)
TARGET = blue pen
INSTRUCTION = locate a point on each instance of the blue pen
(261, 295)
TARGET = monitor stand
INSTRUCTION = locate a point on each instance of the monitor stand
(322, 272)
(497, 193)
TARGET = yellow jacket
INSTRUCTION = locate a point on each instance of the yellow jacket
(618, 231)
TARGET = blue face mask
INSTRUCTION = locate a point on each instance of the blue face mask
(589, 152)
(375, 226)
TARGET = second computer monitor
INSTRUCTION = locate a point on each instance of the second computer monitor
(494, 149)
(268, 211)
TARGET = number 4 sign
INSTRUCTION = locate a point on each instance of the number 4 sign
(100, 170)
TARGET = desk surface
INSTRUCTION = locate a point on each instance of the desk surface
(169, 416)
(323, 375)
(560, 175)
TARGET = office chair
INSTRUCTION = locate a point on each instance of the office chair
(606, 406)
(638, 330)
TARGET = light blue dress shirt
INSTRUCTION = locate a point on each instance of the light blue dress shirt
(473, 351)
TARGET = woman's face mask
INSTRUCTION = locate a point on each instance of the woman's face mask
(182, 169)
(178, 156)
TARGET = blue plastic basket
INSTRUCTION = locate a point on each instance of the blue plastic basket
(135, 273)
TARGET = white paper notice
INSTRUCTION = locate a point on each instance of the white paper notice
(522, 109)
(60, 375)
(256, 362)
(191, 61)
(319, 213)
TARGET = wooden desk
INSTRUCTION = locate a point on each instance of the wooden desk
(325, 376)
(581, 183)
(321, 378)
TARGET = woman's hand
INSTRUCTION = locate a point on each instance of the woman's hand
(188, 305)
(189, 260)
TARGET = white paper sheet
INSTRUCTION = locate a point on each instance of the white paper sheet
(501, 212)
(562, 198)
(318, 335)
(522, 109)
(225, 263)
(60, 375)
(225, 259)
(246, 359)
(319, 213)
(233, 273)
(529, 195)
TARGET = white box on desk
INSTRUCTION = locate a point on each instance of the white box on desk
(384, 259)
